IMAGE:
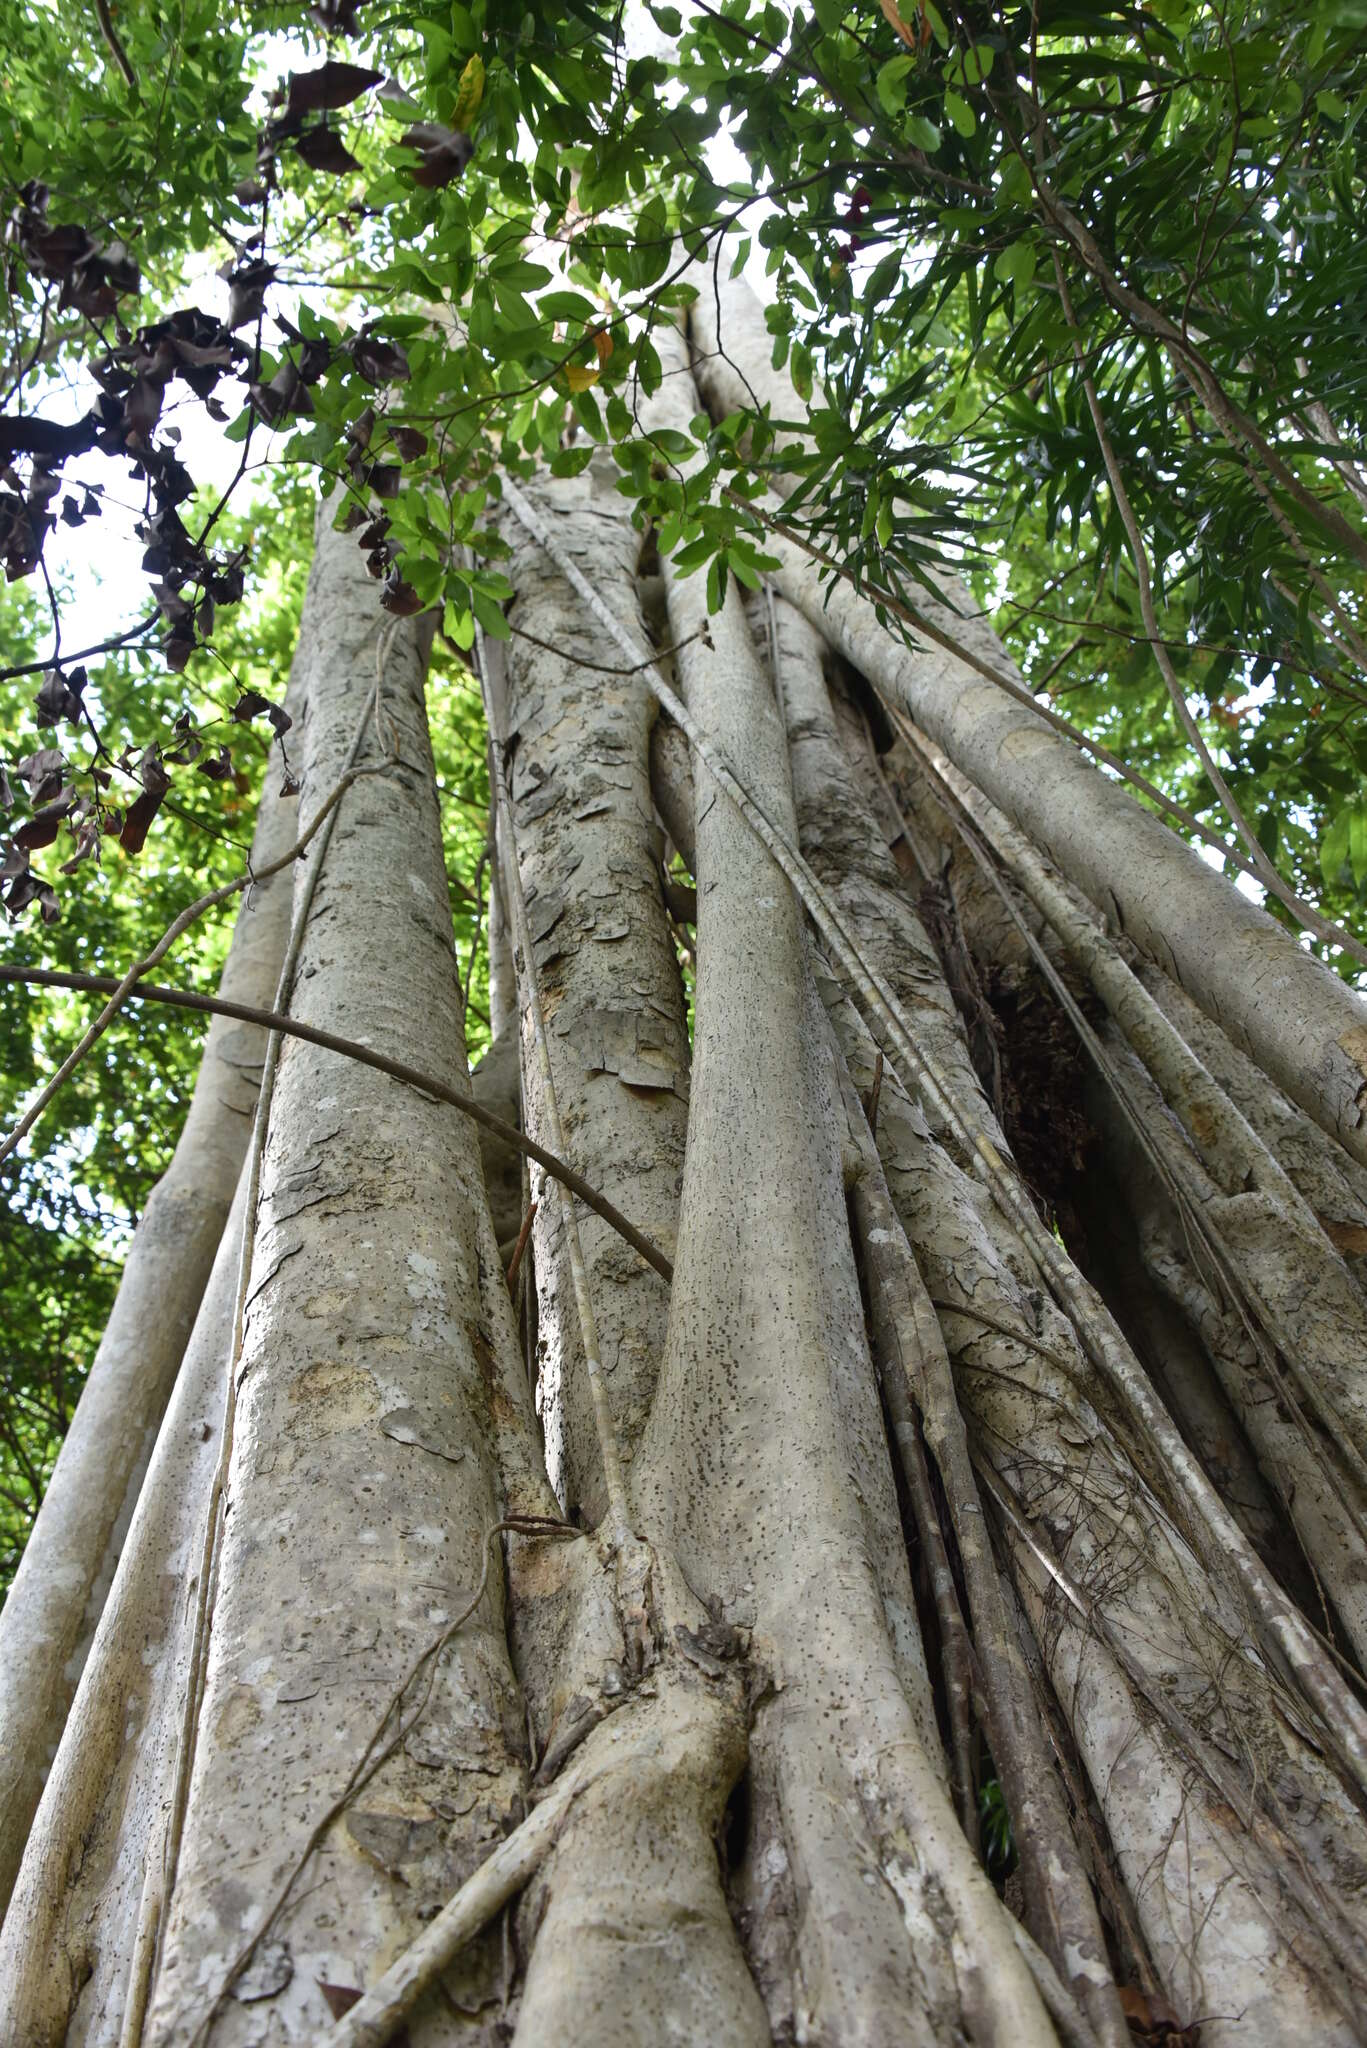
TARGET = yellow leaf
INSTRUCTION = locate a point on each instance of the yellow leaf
(602, 344)
(469, 93)
(890, 14)
(579, 380)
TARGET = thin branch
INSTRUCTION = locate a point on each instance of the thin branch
(602, 668)
(114, 46)
(348, 1048)
(122, 989)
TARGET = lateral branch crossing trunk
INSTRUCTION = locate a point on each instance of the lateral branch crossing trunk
(1000, 1435)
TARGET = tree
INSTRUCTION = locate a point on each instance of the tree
(820, 1494)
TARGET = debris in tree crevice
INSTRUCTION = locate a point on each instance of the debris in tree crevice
(406, 1426)
(268, 1972)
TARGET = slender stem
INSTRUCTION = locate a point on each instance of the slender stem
(289, 1027)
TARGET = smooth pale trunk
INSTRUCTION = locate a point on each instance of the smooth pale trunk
(1303, 1025)
(362, 1491)
(605, 965)
(53, 1606)
(757, 1461)
(840, 837)
(67, 1956)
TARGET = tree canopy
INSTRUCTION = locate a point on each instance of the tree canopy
(1076, 294)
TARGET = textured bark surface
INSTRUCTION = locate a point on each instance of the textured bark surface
(362, 1488)
(54, 1604)
(766, 1464)
(1057, 1440)
(605, 965)
(73, 1917)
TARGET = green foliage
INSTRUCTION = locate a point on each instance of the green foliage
(998, 1838)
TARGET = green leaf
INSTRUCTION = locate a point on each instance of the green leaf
(1357, 843)
(1015, 265)
(923, 134)
(891, 83)
(883, 279)
(961, 115)
(1334, 849)
(459, 625)
(490, 616)
(648, 368)
(800, 369)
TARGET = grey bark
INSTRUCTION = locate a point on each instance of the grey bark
(1063, 1446)
(69, 1949)
(747, 1607)
(748, 1463)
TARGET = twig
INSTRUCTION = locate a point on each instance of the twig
(372, 1760)
(603, 668)
(123, 989)
(520, 1247)
(290, 1027)
(114, 46)
(115, 641)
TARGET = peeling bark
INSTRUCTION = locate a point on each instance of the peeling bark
(606, 968)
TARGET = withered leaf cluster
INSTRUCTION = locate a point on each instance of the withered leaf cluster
(136, 376)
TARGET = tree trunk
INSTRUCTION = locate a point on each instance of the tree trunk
(878, 1502)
